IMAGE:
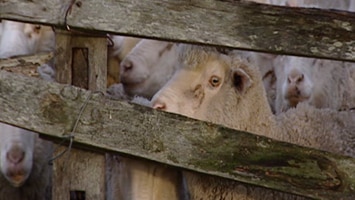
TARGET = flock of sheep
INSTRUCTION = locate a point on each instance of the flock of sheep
(305, 101)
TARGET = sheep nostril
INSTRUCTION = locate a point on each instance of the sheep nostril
(127, 65)
(15, 155)
(159, 105)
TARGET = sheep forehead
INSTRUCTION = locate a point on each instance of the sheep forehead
(147, 46)
(193, 55)
(10, 134)
(13, 25)
(303, 65)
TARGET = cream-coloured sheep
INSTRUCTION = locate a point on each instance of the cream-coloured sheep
(319, 82)
(265, 62)
(25, 172)
(223, 90)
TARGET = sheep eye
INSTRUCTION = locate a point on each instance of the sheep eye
(215, 81)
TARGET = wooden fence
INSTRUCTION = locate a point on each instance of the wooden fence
(108, 126)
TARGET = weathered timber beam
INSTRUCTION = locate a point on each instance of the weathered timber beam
(23, 61)
(282, 30)
(119, 127)
(26, 64)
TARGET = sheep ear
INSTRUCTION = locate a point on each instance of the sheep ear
(241, 80)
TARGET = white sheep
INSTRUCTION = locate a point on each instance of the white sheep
(319, 82)
(122, 45)
(25, 172)
(13, 40)
(333, 92)
(148, 66)
(223, 90)
(21, 39)
(0, 29)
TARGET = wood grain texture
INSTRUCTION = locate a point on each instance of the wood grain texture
(79, 171)
(282, 30)
(80, 61)
(132, 130)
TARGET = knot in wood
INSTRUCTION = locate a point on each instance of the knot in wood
(53, 108)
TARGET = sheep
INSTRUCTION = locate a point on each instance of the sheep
(269, 77)
(0, 29)
(224, 90)
(265, 62)
(319, 82)
(20, 39)
(13, 40)
(25, 173)
(148, 66)
(122, 45)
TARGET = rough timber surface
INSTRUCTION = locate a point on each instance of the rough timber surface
(79, 62)
(245, 25)
(26, 65)
(119, 127)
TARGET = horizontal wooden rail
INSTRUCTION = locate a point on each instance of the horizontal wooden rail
(129, 129)
(245, 25)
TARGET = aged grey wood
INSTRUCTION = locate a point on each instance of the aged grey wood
(129, 129)
(96, 57)
(295, 31)
(80, 61)
(79, 171)
(27, 65)
(23, 61)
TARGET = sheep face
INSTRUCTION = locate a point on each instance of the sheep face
(17, 149)
(297, 87)
(13, 40)
(40, 38)
(21, 39)
(148, 67)
(204, 90)
(294, 81)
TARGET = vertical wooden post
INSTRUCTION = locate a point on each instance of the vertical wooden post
(80, 61)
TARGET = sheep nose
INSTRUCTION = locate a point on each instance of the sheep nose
(127, 65)
(15, 155)
(295, 78)
(159, 105)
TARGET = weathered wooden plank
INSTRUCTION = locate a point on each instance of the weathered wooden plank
(79, 171)
(96, 59)
(129, 129)
(23, 61)
(25, 64)
(307, 32)
(79, 62)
